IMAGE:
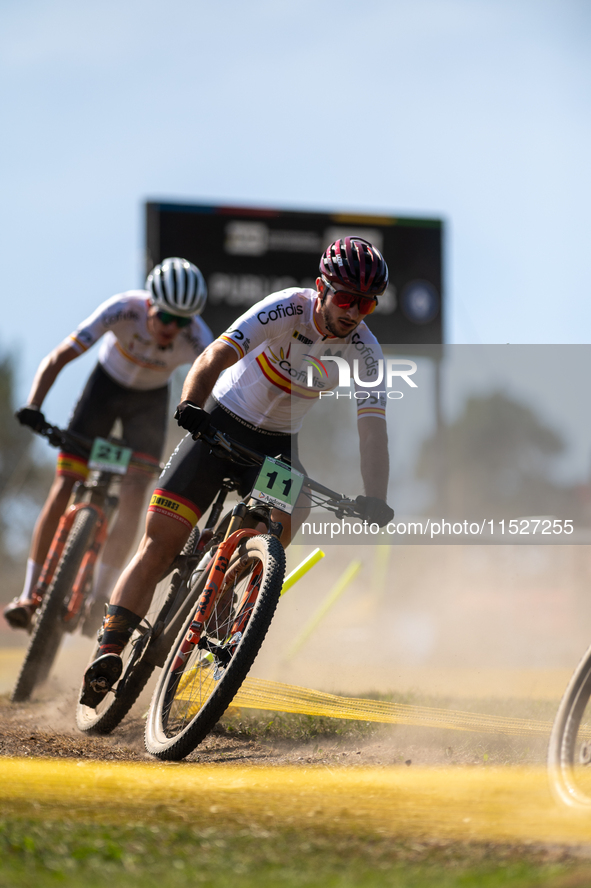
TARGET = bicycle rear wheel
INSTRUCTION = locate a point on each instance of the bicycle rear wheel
(49, 627)
(189, 699)
(569, 750)
(137, 667)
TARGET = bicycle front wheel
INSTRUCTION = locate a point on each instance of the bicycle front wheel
(49, 627)
(569, 750)
(189, 699)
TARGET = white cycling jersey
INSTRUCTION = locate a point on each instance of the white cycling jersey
(278, 340)
(128, 352)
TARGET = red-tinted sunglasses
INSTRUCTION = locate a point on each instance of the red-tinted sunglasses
(365, 304)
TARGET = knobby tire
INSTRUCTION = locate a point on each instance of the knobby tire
(569, 749)
(188, 703)
(49, 628)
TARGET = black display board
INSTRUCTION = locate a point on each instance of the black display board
(246, 253)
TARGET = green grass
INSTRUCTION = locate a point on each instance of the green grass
(70, 854)
(258, 724)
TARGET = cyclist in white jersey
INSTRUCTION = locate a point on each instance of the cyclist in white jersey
(260, 400)
(146, 334)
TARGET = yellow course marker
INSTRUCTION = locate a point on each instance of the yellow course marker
(258, 693)
(303, 568)
(335, 593)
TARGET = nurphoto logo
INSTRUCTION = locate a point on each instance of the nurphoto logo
(380, 372)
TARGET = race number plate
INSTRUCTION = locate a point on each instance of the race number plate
(278, 484)
(108, 457)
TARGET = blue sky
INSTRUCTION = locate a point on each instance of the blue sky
(476, 111)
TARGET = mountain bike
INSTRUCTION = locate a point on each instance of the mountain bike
(209, 624)
(66, 578)
(222, 636)
(569, 750)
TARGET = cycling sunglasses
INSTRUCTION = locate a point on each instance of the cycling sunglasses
(365, 304)
(166, 317)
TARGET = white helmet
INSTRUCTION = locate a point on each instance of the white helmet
(177, 286)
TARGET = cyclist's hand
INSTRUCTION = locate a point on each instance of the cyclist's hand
(192, 418)
(375, 510)
(32, 417)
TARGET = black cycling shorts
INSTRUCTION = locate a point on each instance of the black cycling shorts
(193, 475)
(143, 415)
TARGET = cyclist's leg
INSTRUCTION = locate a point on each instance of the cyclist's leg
(185, 490)
(171, 517)
(117, 548)
(124, 529)
(162, 541)
(144, 417)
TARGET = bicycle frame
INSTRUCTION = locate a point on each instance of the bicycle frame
(84, 575)
(242, 512)
(57, 547)
(102, 503)
(210, 594)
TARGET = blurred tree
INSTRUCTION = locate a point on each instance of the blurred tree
(24, 481)
(495, 461)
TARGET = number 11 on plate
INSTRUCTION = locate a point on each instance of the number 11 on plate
(278, 484)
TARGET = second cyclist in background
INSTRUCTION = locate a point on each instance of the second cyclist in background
(146, 334)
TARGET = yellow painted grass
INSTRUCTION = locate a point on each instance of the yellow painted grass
(500, 804)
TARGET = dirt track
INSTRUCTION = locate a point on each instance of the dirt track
(46, 727)
(47, 730)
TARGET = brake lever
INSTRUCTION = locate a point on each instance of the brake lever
(53, 434)
(346, 509)
(218, 440)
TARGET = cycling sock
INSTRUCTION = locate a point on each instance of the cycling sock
(106, 577)
(118, 627)
(31, 577)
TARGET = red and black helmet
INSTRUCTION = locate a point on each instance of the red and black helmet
(356, 265)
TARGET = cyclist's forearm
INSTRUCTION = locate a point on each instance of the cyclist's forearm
(204, 373)
(375, 462)
(48, 371)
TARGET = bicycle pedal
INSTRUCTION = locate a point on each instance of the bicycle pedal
(100, 685)
(99, 678)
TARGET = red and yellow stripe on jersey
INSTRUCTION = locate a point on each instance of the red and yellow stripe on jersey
(285, 383)
(229, 341)
(174, 506)
(72, 466)
(380, 412)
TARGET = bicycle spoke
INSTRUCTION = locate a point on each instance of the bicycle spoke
(206, 664)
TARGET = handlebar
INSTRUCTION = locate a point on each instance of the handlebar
(226, 447)
(79, 445)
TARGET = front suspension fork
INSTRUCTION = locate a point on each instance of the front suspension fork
(209, 595)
